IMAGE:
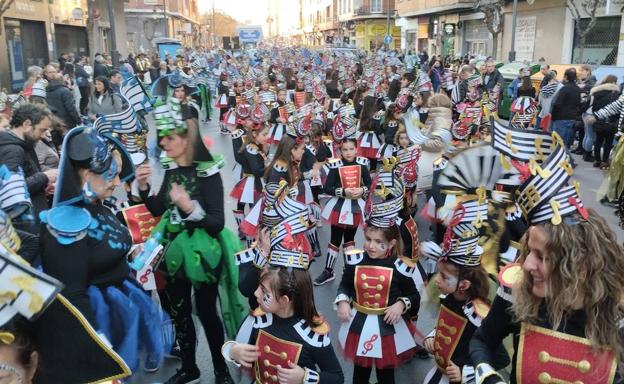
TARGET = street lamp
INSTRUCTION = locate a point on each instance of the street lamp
(514, 14)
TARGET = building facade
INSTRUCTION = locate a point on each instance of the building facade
(149, 19)
(367, 23)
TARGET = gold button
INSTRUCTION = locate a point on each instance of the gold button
(266, 375)
(377, 296)
(366, 304)
(379, 287)
(283, 356)
(584, 366)
(544, 378)
(267, 363)
(365, 285)
(274, 378)
(382, 278)
(366, 295)
(363, 276)
(267, 349)
(376, 305)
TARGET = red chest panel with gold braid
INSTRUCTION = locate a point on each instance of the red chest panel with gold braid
(547, 356)
(372, 286)
(140, 222)
(449, 330)
(273, 352)
(350, 176)
(412, 228)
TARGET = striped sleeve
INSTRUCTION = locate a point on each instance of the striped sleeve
(612, 109)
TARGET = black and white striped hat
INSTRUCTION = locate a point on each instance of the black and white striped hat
(14, 196)
(546, 195)
(385, 199)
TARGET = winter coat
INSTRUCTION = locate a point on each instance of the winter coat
(567, 103)
(493, 79)
(16, 153)
(105, 104)
(601, 96)
(546, 96)
(61, 102)
(438, 120)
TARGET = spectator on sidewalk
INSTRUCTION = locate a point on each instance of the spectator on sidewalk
(544, 69)
(100, 68)
(585, 131)
(61, 102)
(82, 81)
(492, 77)
(115, 81)
(547, 94)
(566, 108)
(28, 124)
(103, 101)
(601, 96)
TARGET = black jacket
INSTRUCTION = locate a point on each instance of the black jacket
(493, 79)
(16, 153)
(567, 102)
(82, 77)
(99, 69)
(603, 95)
(61, 102)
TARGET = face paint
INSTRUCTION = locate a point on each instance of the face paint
(88, 192)
(267, 299)
(15, 374)
(383, 247)
(111, 172)
(451, 281)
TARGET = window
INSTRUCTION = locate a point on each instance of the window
(375, 6)
(601, 43)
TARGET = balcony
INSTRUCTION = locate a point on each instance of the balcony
(366, 10)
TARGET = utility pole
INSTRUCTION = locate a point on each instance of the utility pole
(514, 14)
(166, 18)
(113, 39)
(214, 31)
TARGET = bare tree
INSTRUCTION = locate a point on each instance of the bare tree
(492, 9)
(4, 6)
(586, 9)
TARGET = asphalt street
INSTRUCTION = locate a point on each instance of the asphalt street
(413, 371)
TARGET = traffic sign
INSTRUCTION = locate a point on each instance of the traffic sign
(388, 39)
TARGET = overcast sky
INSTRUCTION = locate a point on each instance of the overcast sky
(253, 10)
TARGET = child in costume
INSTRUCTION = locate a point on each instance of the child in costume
(375, 300)
(347, 183)
(252, 159)
(464, 284)
(390, 128)
(198, 250)
(287, 341)
(279, 119)
(370, 127)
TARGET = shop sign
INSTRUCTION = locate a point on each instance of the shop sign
(377, 29)
(525, 38)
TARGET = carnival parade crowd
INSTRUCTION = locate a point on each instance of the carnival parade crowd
(113, 222)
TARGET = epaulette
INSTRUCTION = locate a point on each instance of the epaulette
(252, 149)
(476, 310)
(280, 166)
(317, 336)
(334, 163)
(403, 267)
(246, 256)
(362, 161)
(262, 320)
(354, 256)
(507, 276)
(238, 133)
